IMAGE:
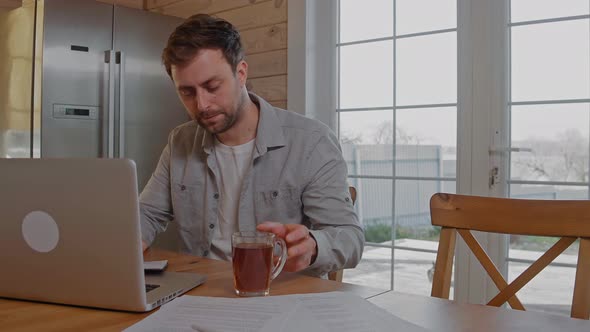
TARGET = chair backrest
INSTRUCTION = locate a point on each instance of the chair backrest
(337, 275)
(569, 220)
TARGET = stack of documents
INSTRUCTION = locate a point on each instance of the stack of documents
(335, 311)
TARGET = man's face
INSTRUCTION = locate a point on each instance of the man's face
(210, 91)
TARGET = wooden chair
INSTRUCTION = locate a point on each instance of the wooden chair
(337, 275)
(569, 220)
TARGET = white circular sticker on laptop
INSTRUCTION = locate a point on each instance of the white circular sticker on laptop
(40, 231)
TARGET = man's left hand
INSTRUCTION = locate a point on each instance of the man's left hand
(301, 246)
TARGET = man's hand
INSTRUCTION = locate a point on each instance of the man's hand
(143, 245)
(301, 246)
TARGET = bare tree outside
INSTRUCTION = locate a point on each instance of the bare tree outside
(383, 134)
(562, 159)
(348, 137)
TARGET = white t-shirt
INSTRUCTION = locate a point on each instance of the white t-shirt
(233, 163)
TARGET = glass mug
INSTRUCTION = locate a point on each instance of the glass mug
(252, 260)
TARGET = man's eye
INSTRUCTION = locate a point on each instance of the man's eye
(186, 92)
(213, 88)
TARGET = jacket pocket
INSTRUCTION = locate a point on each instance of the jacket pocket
(282, 205)
(187, 201)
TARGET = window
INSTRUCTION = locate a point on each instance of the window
(397, 116)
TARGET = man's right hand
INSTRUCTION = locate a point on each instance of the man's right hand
(301, 246)
(144, 246)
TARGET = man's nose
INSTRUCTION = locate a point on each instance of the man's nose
(203, 102)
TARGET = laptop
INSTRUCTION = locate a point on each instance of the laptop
(70, 234)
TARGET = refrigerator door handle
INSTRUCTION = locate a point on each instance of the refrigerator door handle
(121, 63)
(108, 122)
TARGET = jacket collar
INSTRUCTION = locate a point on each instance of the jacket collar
(269, 133)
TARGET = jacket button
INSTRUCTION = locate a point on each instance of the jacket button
(206, 252)
(211, 226)
(182, 187)
(275, 193)
(216, 196)
(347, 199)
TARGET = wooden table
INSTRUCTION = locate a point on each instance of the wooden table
(431, 313)
(443, 315)
(33, 316)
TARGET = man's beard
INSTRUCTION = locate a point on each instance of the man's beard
(226, 123)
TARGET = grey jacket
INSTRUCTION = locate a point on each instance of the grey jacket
(298, 176)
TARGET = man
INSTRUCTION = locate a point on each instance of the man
(242, 164)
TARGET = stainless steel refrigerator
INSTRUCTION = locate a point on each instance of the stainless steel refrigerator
(105, 92)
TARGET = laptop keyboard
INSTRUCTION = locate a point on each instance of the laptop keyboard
(149, 287)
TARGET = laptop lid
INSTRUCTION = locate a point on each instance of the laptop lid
(69, 232)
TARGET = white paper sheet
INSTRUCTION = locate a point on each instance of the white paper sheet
(155, 265)
(335, 311)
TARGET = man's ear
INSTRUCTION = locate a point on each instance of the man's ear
(242, 72)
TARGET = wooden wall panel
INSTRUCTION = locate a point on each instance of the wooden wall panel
(268, 38)
(186, 8)
(271, 88)
(10, 4)
(125, 3)
(151, 4)
(257, 15)
(267, 64)
(16, 65)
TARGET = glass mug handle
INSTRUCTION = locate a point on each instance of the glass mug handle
(282, 258)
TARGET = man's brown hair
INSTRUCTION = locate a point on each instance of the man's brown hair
(198, 32)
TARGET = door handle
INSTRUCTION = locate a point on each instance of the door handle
(120, 59)
(109, 103)
(504, 149)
